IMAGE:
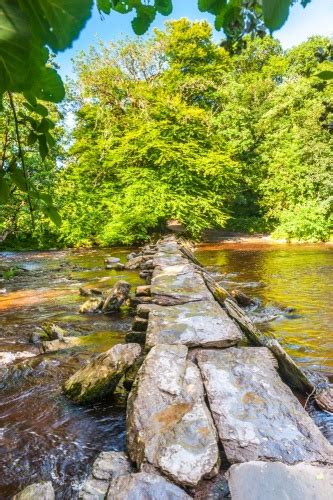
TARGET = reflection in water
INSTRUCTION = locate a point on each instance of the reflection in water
(42, 435)
(283, 276)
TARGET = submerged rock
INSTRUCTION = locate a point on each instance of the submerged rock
(169, 427)
(112, 260)
(7, 358)
(117, 267)
(37, 491)
(101, 376)
(107, 466)
(276, 481)
(144, 485)
(64, 343)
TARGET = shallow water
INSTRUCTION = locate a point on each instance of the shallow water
(45, 437)
(42, 435)
(279, 277)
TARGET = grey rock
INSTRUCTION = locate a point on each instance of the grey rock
(139, 324)
(56, 345)
(142, 291)
(37, 491)
(134, 263)
(101, 376)
(91, 306)
(117, 267)
(180, 283)
(169, 427)
(115, 297)
(256, 414)
(112, 260)
(202, 323)
(138, 337)
(144, 486)
(277, 481)
(108, 465)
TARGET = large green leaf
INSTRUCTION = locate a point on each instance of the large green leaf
(57, 22)
(275, 12)
(145, 15)
(18, 178)
(51, 87)
(4, 190)
(164, 7)
(325, 75)
(212, 6)
(53, 214)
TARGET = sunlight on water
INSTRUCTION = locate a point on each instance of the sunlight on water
(283, 276)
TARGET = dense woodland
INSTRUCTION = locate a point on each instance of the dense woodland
(174, 127)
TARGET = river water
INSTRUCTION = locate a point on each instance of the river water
(45, 437)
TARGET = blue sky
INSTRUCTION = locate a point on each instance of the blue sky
(315, 19)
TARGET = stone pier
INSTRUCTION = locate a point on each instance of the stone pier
(207, 412)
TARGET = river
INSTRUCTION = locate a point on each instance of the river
(43, 435)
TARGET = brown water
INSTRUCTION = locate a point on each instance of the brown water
(42, 435)
(279, 277)
(45, 437)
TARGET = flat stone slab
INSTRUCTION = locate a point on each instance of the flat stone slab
(277, 481)
(193, 324)
(144, 486)
(169, 427)
(256, 414)
(182, 283)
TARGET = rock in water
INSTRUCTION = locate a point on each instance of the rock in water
(134, 263)
(112, 260)
(242, 299)
(144, 486)
(64, 343)
(169, 427)
(276, 481)
(91, 306)
(36, 491)
(256, 414)
(107, 466)
(101, 376)
(116, 296)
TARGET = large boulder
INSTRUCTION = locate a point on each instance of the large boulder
(169, 427)
(101, 376)
(144, 486)
(256, 414)
(107, 466)
(37, 491)
(276, 481)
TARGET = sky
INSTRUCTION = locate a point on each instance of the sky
(315, 19)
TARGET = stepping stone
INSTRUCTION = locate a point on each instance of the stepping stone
(169, 427)
(144, 486)
(277, 481)
(179, 283)
(256, 414)
(193, 324)
(107, 466)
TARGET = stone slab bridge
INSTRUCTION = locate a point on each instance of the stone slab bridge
(208, 415)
